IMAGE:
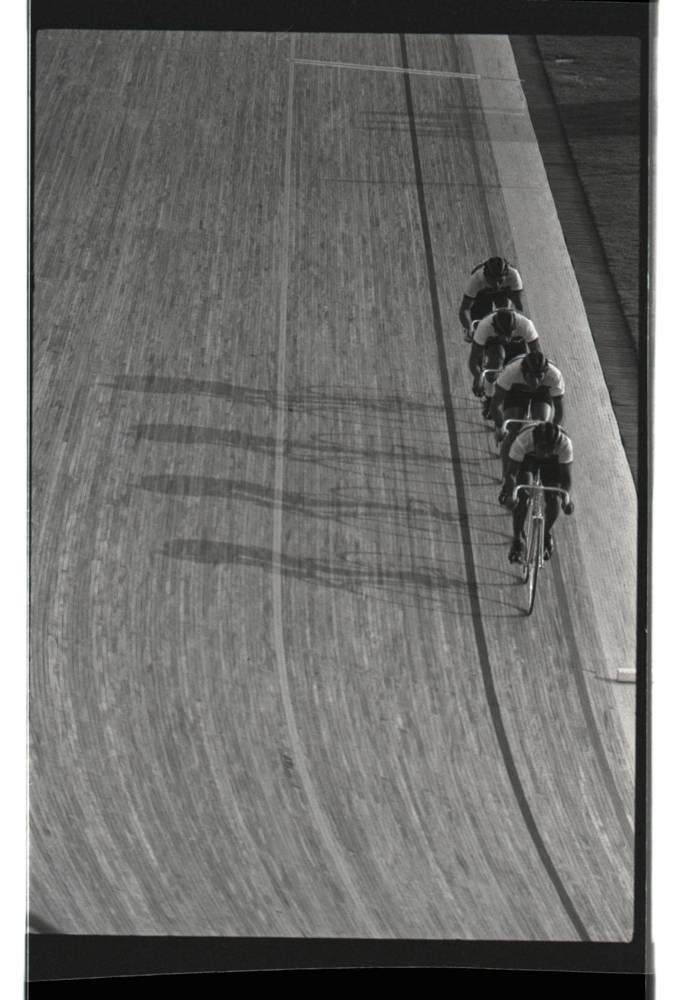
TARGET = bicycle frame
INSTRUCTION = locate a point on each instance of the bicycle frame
(534, 554)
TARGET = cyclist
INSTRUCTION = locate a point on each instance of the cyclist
(499, 338)
(548, 448)
(492, 281)
(530, 379)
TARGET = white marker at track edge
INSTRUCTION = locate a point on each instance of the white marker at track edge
(627, 674)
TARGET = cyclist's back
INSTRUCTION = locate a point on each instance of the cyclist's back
(512, 380)
(525, 450)
(480, 286)
(524, 333)
(492, 282)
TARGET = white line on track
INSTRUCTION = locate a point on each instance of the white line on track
(387, 69)
(366, 922)
(401, 69)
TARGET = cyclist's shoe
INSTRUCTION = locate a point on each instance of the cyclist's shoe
(486, 410)
(468, 336)
(503, 499)
(517, 549)
(549, 545)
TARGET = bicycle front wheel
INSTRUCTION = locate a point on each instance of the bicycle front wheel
(533, 563)
(528, 531)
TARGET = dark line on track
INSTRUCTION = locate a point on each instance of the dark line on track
(576, 669)
(490, 693)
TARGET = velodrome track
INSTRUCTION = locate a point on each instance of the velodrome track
(281, 681)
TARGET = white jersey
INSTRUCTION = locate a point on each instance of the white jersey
(524, 330)
(512, 378)
(479, 283)
(523, 445)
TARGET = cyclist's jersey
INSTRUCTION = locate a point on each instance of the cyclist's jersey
(512, 378)
(478, 283)
(524, 330)
(523, 445)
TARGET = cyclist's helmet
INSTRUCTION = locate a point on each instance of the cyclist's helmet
(504, 324)
(545, 436)
(534, 363)
(495, 268)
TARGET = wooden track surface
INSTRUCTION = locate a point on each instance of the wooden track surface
(281, 682)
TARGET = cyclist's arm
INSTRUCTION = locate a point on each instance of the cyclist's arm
(465, 312)
(564, 476)
(516, 299)
(476, 359)
(497, 406)
(565, 482)
(534, 345)
(558, 409)
(510, 478)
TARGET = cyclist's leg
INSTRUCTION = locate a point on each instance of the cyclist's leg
(550, 475)
(494, 358)
(520, 511)
(551, 510)
(511, 413)
(514, 349)
(500, 300)
(483, 305)
(540, 410)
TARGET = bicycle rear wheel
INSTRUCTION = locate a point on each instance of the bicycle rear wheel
(528, 544)
(533, 563)
(528, 550)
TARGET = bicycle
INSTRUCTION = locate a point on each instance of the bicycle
(534, 528)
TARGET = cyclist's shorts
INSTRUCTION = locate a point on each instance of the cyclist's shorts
(493, 348)
(514, 349)
(519, 397)
(486, 301)
(552, 473)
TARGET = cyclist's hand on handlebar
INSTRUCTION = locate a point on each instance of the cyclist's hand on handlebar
(477, 389)
(568, 508)
(505, 500)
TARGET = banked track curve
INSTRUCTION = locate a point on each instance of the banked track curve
(276, 459)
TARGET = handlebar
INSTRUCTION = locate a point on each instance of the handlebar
(543, 489)
(524, 423)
